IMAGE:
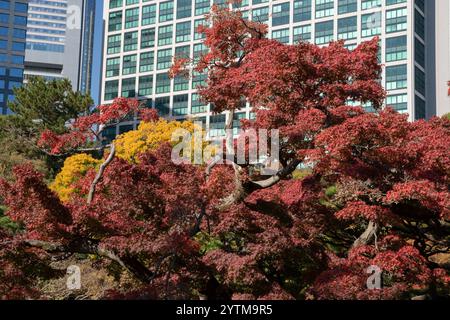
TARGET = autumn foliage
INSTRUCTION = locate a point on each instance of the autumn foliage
(376, 192)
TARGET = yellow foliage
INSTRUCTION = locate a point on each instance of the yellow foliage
(74, 168)
(149, 136)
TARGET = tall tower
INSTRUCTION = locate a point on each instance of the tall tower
(13, 27)
(141, 37)
(60, 41)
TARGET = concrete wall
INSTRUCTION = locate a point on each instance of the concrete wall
(442, 56)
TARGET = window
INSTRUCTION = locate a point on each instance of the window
(145, 86)
(348, 28)
(260, 14)
(148, 14)
(369, 4)
(162, 83)
(4, 17)
(131, 18)
(183, 32)
(324, 32)
(419, 24)
(371, 24)
(163, 105)
(166, 11)
(183, 52)
(112, 67)
(419, 3)
(396, 49)
(280, 14)
(16, 72)
(391, 2)
(129, 64)
(180, 105)
(180, 83)
(197, 23)
(302, 33)
(20, 20)
(130, 2)
(201, 7)
(165, 35)
(242, 3)
(146, 61)
(396, 77)
(198, 79)
(347, 6)
(419, 108)
(419, 50)
(281, 35)
(398, 102)
(147, 38)
(131, 41)
(114, 44)
(420, 80)
(18, 46)
(199, 50)
(115, 4)
(115, 21)
(19, 33)
(324, 8)
(184, 9)
(396, 20)
(111, 89)
(198, 106)
(237, 117)
(129, 88)
(164, 59)
(217, 125)
(4, 5)
(302, 10)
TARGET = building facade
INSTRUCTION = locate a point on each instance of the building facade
(142, 36)
(60, 41)
(13, 27)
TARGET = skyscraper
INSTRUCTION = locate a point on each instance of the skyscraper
(60, 40)
(13, 24)
(141, 37)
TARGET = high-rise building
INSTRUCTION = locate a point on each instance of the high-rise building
(142, 36)
(60, 41)
(13, 27)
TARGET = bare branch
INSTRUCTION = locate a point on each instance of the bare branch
(367, 235)
(100, 173)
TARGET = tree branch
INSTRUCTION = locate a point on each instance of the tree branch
(100, 173)
(367, 235)
(88, 246)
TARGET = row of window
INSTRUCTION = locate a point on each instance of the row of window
(18, 6)
(148, 38)
(17, 33)
(216, 124)
(17, 20)
(396, 78)
(396, 21)
(145, 85)
(302, 8)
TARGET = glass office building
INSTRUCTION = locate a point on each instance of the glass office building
(142, 36)
(13, 24)
(60, 41)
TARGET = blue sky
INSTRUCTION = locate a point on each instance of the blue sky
(98, 38)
